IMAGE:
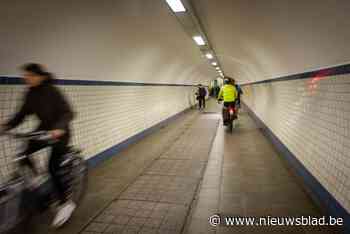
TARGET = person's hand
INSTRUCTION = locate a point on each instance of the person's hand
(57, 133)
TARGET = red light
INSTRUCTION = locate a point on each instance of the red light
(312, 84)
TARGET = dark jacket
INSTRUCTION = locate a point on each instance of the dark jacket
(202, 92)
(48, 104)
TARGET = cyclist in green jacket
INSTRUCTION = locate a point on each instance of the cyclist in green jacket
(228, 93)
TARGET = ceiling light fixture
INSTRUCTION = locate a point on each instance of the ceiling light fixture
(209, 56)
(176, 5)
(199, 40)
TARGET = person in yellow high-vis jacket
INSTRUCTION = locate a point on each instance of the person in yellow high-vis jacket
(228, 93)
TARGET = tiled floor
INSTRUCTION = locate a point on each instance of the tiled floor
(159, 200)
(175, 179)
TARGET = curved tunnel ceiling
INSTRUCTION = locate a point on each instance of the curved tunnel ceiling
(129, 40)
(257, 40)
(142, 41)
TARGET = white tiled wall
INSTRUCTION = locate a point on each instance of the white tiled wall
(312, 118)
(106, 115)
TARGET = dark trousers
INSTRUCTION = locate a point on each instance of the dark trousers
(201, 101)
(239, 101)
(58, 150)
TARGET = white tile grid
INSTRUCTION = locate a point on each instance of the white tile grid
(106, 115)
(312, 118)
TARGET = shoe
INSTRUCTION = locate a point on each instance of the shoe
(63, 214)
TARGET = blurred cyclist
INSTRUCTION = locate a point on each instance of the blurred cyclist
(48, 104)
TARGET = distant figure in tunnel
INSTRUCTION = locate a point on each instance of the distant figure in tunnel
(48, 104)
(201, 94)
(217, 90)
(239, 93)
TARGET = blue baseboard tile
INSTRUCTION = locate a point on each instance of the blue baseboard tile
(4, 80)
(114, 150)
(315, 189)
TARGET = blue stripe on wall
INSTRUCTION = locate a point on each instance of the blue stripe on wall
(317, 191)
(332, 71)
(5, 80)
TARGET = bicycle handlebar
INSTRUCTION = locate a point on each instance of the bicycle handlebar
(39, 135)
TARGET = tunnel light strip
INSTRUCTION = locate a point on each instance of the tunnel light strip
(199, 40)
(176, 5)
(197, 34)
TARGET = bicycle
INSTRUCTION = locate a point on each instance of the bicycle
(25, 194)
